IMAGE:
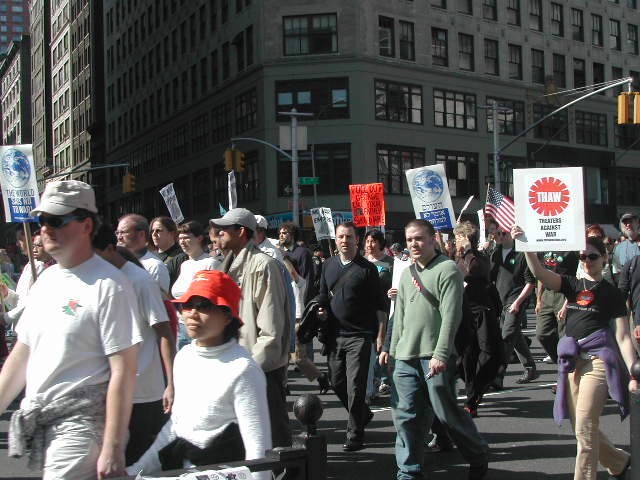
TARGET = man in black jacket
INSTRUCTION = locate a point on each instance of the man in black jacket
(352, 303)
(515, 283)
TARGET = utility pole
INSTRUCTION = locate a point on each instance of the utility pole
(294, 114)
(496, 151)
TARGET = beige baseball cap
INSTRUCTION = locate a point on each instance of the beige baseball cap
(64, 196)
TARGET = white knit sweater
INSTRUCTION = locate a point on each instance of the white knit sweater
(214, 386)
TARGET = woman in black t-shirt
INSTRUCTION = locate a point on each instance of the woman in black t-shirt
(598, 367)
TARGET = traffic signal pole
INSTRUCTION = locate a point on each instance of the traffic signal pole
(498, 150)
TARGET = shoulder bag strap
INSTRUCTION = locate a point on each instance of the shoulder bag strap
(341, 281)
(423, 290)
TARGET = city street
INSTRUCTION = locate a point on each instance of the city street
(516, 422)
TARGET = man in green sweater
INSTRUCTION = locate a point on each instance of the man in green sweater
(424, 353)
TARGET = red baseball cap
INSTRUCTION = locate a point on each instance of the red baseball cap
(216, 286)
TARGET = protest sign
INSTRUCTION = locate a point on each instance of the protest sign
(323, 223)
(367, 204)
(169, 195)
(549, 204)
(19, 183)
(430, 196)
(483, 231)
(233, 197)
(399, 266)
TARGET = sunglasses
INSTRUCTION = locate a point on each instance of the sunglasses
(57, 222)
(591, 256)
(203, 305)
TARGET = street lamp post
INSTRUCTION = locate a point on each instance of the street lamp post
(294, 114)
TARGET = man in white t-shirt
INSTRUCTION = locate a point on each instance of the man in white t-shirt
(77, 349)
(151, 400)
(133, 234)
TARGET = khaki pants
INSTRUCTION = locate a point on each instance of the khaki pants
(587, 396)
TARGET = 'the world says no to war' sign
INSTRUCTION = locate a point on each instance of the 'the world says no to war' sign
(367, 204)
(549, 206)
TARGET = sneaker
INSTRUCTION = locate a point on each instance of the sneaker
(478, 472)
(548, 360)
(384, 389)
(473, 411)
(529, 375)
(435, 446)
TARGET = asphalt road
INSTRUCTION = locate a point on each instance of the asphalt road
(516, 422)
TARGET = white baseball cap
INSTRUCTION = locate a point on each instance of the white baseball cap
(65, 196)
(236, 216)
(262, 222)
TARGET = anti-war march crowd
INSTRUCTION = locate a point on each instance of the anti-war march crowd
(148, 345)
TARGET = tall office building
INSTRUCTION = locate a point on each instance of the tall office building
(391, 85)
(77, 85)
(40, 14)
(15, 93)
(14, 22)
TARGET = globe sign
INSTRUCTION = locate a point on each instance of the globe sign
(428, 186)
(15, 168)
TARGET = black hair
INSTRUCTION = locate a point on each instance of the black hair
(418, 222)
(598, 244)
(378, 236)
(194, 228)
(104, 236)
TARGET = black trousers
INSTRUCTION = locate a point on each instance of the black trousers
(278, 412)
(147, 419)
(348, 369)
(482, 357)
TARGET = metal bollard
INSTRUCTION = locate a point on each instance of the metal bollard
(634, 422)
(308, 410)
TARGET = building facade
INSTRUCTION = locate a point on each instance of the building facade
(61, 85)
(14, 22)
(42, 137)
(391, 85)
(15, 93)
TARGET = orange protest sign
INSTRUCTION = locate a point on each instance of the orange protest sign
(367, 204)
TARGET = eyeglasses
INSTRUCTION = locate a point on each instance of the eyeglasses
(591, 256)
(123, 232)
(56, 221)
(37, 244)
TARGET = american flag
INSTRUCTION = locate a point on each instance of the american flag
(501, 208)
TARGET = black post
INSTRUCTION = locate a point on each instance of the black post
(308, 410)
(634, 422)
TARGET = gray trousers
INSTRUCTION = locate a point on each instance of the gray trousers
(512, 336)
(548, 328)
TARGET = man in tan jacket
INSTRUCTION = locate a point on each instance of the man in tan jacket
(264, 309)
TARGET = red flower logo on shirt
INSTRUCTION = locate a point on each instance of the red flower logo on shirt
(71, 307)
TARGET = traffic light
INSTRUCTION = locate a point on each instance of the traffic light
(128, 183)
(624, 108)
(239, 161)
(228, 159)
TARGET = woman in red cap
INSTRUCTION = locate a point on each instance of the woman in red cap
(220, 411)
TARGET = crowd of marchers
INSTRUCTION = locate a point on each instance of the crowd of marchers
(147, 346)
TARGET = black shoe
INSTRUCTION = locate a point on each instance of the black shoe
(369, 418)
(478, 472)
(323, 382)
(529, 375)
(353, 445)
(497, 384)
(623, 474)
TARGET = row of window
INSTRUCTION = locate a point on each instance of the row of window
(205, 130)
(212, 69)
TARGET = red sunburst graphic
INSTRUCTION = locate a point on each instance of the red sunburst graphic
(549, 196)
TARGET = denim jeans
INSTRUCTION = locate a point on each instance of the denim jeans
(418, 399)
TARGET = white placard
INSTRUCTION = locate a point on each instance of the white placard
(285, 137)
(19, 183)
(323, 223)
(399, 266)
(169, 195)
(233, 197)
(549, 204)
(429, 190)
(236, 473)
(483, 231)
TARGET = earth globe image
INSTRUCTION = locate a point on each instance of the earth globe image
(15, 168)
(428, 186)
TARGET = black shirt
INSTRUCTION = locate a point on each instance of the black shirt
(586, 315)
(301, 259)
(510, 275)
(629, 285)
(353, 306)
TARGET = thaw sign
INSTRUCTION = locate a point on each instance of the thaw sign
(18, 181)
(549, 204)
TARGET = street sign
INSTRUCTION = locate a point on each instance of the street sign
(309, 180)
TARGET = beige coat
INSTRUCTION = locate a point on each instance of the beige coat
(264, 307)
